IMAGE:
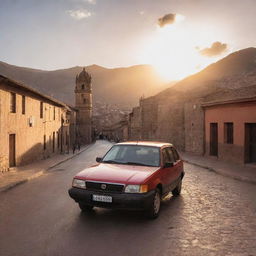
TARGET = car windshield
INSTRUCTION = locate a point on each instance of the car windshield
(133, 155)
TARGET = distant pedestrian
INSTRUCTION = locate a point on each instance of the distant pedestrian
(78, 145)
(74, 148)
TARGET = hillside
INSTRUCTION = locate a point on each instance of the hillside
(234, 71)
(120, 86)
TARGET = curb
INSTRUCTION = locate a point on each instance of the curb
(72, 156)
(40, 173)
(235, 177)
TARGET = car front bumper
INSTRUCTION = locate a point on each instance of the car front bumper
(128, 201)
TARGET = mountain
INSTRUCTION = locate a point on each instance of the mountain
(236, 70)
(120, 86)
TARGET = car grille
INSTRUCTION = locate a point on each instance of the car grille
(101, 186)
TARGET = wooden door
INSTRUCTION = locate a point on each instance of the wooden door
(250, 143)
(53, 142)
(214, 139)
(12, 150)
(253, 143)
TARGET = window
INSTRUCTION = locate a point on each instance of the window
(133, 154)
(13, 103)
(41, 109)
(175, 154)
(53, 113)
(166, 156)
(84, 100)
(171, 156)
(23, 105)
(82, 86)
(228, 133)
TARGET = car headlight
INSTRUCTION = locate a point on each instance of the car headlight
(79, 183)
(136, 189)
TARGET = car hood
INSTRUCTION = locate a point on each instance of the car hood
(117, 173)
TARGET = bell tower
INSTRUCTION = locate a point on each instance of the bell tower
(83, 94)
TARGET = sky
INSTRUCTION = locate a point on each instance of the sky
(178, 37)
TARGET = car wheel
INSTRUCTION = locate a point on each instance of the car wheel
(154, 208)
(85, 207)
(177, 190)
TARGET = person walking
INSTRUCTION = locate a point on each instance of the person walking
(74, 148)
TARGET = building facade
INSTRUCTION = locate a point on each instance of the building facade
(83, 103)
(33, 126)
(230, 130)
(197, 121)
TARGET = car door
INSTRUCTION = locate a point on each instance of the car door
(178, 162)
(167, 172)
(174, 170)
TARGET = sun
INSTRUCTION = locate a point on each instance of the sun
(172, 51)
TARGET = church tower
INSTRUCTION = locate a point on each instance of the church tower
(83, 93)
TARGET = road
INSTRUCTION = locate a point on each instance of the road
(215, 215)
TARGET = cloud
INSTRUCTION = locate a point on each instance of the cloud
(166, 20)
(79, 14)
(217, 48)
(90, 1)
(142, 12)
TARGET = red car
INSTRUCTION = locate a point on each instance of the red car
(132, 175)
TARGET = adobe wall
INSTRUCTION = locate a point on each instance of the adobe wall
(171, 123)
(135, 124)
(194, 127)
(239, 114)
(149, 119)
(29, 138)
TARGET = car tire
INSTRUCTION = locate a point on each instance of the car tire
(154, 209)
(177, 190)
(85, 207)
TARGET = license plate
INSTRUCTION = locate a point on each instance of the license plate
(100, 198)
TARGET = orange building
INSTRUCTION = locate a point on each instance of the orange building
(230, 129)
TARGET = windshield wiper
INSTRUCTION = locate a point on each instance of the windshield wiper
(135, 163)
(111, 162)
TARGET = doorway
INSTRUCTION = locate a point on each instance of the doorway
(250, 143)
(214, 139)
(12, 150)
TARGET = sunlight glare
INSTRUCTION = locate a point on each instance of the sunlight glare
(172, 51)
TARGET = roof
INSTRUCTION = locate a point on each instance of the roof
(240, 95)
(146, 143)
(83, 76)
(19, 85)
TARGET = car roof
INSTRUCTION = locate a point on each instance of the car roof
(146, 143)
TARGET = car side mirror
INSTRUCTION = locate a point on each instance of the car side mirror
(168, 165)
(98, 159)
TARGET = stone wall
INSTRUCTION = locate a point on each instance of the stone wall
(35, 137)
(194, 127)
(134, 128)
(171, 123)
(149, 118)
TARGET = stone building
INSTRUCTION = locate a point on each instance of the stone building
(33, 126)
(117, 132)
(83, 103)
(187, 120)
(134, 124)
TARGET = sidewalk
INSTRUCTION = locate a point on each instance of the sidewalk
(25, 173)
(242, 172)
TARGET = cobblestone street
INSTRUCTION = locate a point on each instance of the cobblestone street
(214, 215)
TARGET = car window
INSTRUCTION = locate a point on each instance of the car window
(133, 154)
(171, 156)
(175, 154)
(166, 156)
